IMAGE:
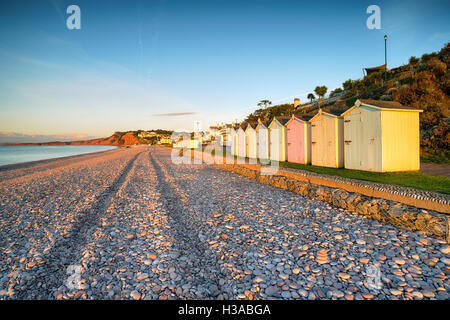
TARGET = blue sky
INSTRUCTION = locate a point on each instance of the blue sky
(135, 60)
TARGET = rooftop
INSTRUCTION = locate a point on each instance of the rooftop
(385, 104)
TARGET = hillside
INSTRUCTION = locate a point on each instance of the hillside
(423, 83)
(117, 139)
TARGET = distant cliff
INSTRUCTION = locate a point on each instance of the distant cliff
(117, 139)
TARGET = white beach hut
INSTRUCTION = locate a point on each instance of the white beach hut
(262, 133)
(251, 142)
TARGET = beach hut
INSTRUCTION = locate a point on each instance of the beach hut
(251, 142)
(327, 140)
(240, 141)
(381, 136)
(231, 140)
(277, 139)
(262, 133)
(299, 140)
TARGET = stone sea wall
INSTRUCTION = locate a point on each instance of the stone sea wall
(408, 217)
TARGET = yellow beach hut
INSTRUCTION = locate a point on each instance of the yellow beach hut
(381, 136)
(277, 139)
(327, 140)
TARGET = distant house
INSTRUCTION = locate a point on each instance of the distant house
(327, 140)
(188, 144)
(277, 139)
(298, 140)
(240, 141)
(165, 140)
(262, 133)
(214, 131)
(147, 134)
(226, 136)
(251, 141)
(381, 136)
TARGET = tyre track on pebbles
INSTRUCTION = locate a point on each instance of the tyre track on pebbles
(206, 272)
(66, 252)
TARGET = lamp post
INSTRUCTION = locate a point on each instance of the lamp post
(385, 57)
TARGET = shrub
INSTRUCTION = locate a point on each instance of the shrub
(351, 102)
(427, 56)
(413, 60)
(422, 67)
(408, 81)
(437, 66)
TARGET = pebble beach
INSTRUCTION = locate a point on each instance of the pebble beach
(136, 226)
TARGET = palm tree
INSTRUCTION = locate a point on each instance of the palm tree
(311, 97)
(265, 103)
(320, 91)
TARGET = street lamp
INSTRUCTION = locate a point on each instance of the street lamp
(385, 57)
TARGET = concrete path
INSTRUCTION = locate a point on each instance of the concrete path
(435, 169)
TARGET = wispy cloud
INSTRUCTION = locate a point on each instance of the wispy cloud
(442, 36)
(16, 137)
(56, 5)
(174, 114)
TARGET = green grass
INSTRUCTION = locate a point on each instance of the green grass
(416, 180)
(435, 156)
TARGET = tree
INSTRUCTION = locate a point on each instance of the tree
(438, 67)
(348, 85)
(311, 97)
(265, 103)
(321, 91)
(413, 60)
(335, 92)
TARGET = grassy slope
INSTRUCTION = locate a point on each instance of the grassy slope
(416, 180)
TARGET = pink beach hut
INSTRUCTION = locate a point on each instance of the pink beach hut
(298, 140)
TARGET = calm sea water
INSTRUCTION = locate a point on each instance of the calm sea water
(18, 154)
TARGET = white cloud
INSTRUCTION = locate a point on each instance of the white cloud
(16, 137)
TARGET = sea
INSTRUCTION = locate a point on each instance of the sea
(19, 154)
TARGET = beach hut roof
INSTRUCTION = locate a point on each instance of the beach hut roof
(243, 125)
(252, 125)
(301, 119)
(263, 123)
(333, 114)
(381, 105)
(305, 118)
(281, 120)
